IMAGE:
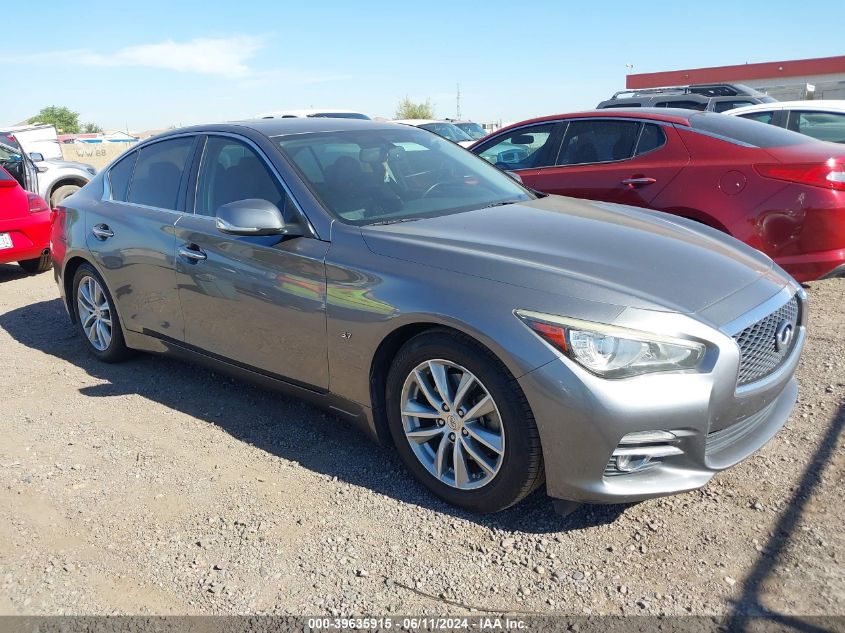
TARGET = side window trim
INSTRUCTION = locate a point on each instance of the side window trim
(267, 163)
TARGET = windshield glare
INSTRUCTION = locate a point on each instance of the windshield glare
(388, 175)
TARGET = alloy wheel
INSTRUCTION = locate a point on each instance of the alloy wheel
(94, 313)
(452, 424)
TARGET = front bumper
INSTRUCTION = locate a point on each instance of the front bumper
(582, 419)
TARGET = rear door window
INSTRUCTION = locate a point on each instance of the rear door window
(158, 173)
(119, 177)
(598, 141)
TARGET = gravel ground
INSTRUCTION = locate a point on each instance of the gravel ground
(158, 487)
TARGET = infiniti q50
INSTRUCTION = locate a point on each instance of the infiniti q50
(496, 337)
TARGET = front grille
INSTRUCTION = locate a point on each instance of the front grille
(759, 353)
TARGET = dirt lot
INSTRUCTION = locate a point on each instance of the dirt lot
(157, 487)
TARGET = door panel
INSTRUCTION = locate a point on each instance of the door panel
(257, 301)
(635, 181)
(133, 243)
(136, 261)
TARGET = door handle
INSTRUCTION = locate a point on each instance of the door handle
(638, 182)
(193, 254)
(102, 232)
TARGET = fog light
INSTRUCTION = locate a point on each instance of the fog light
(632, 463)
(640, 451)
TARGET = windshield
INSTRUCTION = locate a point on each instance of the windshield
(393, 175)
(474, 130)
(447, 130)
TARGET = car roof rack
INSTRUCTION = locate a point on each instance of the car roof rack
(705, 90)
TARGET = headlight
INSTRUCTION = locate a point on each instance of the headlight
(614, 352)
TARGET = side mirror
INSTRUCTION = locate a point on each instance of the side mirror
(252, 216)
(36, 157)
(515, 176)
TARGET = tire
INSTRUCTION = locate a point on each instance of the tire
(113, 349)
(61, 193)
(512, 473)
(37, 265)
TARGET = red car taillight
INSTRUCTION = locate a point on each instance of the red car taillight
(36, 203)
(829, 174)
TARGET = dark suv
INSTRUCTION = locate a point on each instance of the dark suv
(710, 97)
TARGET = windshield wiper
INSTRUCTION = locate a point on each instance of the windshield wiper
(501, 203)
(394, 221)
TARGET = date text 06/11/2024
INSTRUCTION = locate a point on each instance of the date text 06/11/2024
(418, 624)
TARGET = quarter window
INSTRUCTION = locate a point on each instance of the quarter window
(594, 141)
(760, 117)
(119, 176)
(230, 171)
(158, 173)
(526, 148)
(651, 138)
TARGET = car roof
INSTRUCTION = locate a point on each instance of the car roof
(418, 121)
(677, 116)
(822, 105)
(304, 112)
(280, 127)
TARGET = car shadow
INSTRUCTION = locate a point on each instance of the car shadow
(273, 422)
(11, 272)
(748, 607)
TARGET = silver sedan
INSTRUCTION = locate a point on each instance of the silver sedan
(496, 337)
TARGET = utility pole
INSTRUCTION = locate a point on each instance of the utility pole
(458, 109)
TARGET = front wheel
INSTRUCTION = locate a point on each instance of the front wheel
(461, 423)
(96, 318)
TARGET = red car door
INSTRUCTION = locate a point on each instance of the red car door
(622, 161)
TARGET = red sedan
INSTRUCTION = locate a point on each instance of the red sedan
(780, 192)
(24, 226)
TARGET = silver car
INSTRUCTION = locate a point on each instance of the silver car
(495, 337)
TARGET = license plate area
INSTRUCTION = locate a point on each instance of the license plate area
(5, 241)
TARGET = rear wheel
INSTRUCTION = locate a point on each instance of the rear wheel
(63, 192)
(37, 265)
(96, 318)
(461, 423)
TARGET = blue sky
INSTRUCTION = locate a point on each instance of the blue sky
(153, 64)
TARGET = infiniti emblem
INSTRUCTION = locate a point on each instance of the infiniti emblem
(783, 335)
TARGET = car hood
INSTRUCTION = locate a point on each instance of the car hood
(590, 250)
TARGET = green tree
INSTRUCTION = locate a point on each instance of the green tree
(90, 128)
(65, 119)
(407, 109)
